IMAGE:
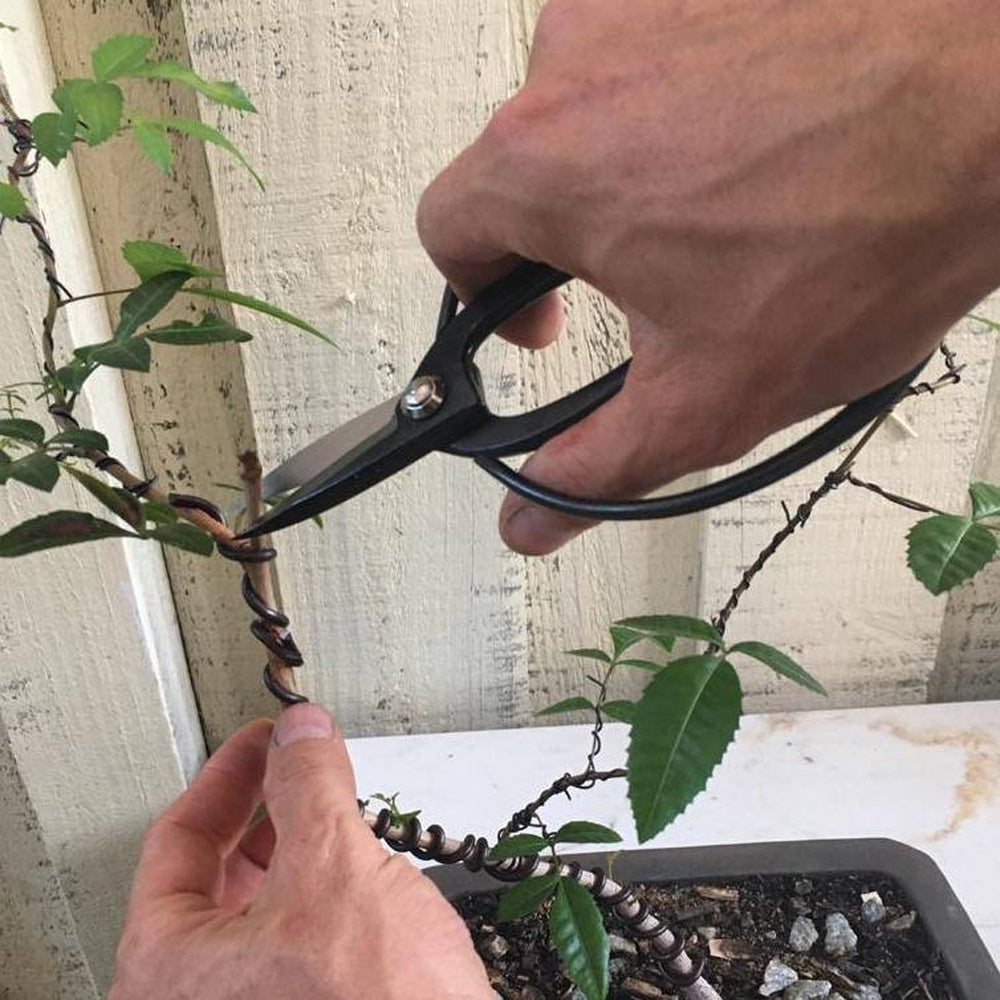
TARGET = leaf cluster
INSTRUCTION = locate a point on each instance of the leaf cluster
(93, 110)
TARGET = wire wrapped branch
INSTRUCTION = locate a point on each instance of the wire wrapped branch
(523, 818)
(679, 968)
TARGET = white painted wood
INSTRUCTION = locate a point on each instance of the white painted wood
(925, 775)
(98, 717)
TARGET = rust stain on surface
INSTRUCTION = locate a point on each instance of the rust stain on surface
(981, 779)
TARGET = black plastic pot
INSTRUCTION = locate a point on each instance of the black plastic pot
(973, 973)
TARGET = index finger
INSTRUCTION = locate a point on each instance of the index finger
(184, 850)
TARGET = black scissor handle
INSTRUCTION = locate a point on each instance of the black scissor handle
(496, 436)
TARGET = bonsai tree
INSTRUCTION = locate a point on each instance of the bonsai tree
(690, 709)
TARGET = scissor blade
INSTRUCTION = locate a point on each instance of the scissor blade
(314, 458)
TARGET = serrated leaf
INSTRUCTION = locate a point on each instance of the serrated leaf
(211, 330)
(221, 91)
(150, 259)
(97, 107)
(38, 470)
(119, 55)
(946, 549)
(673, 627)
(985, 500)
(142, 304)
(184, 536)
(518, 845)
(61, 527)
(526, 897)
(589, 654)
(780, 663)
(119, 502)
(159, 513)
(12, 202)
(585, 832)
(620, 711)
(131, 355)
(199, 130)
(258, 305)
(155, 143)
(53, 134)
(577, 931)
(81, 437)
(568, 705)
(22, 430)
(683, 724)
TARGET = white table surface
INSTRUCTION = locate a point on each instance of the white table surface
(926, 775)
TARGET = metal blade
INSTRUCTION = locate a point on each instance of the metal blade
(308, 463)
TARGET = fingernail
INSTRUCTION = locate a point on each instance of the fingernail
(302, 722)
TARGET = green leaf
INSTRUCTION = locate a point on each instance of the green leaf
(946, 549)
(150, 259)
(22, 430)
(97, 107)
(72, 376)
(590, 654)
(519, 845)
(155, 143)
(577, 931)
(37, 469)
(620, 711)
(7, 27)
(985, 500)
(673, 627)
(211, 330)
(159, 513)
(624, 638)
(199, 130)
(12, 202)
(53, 134)
(131, 355)
(81, 437)
(568, 705)
(585, 832)
(641, 664)
(119, 502)
(61, 527)
(221, 91)
(780, 663)
(184, 536)
(684, 722)
(525, 897)
(119, 56)
(144, 302)
(259, 305)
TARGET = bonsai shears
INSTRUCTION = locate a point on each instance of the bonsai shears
(443, 408)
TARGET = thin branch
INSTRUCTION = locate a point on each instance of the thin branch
(893, 497)
(523, 817)
(73, 299)
(260, 572)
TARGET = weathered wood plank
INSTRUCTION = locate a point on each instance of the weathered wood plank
(968, 657)
(839, 594)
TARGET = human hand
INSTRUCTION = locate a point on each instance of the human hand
(304, 903)
(790, 202)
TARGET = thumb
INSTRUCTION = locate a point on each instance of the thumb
(309, 786)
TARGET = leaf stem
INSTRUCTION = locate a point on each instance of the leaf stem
(71, 300)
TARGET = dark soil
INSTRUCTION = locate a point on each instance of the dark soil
(743, 927)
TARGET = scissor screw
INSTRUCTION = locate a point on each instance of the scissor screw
(423, 396)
